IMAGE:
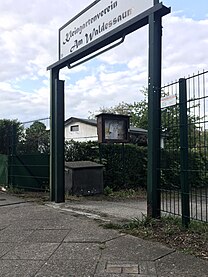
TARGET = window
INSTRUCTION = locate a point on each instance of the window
(74, 128)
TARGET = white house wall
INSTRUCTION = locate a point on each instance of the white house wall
(86, 132)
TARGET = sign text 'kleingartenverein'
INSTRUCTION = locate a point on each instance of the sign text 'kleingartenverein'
(103, 17)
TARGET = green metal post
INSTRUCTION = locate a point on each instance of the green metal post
(184, 153)
(54, 75)
(154, 116)
(59, 160)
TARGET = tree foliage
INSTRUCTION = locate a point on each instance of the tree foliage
(36, 139)
(15, 139)
(11, 131)
(138, 111)
(170, 125)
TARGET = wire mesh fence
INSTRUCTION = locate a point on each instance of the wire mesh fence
(170, 154)
(184, 127)
(197, 97)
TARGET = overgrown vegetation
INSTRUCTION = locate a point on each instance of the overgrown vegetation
(125, 193)
(169, 230)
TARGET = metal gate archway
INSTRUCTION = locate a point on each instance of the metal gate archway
(152, 17)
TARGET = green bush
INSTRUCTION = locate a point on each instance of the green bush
(125, 166)
(81, 151)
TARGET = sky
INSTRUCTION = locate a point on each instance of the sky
(29, 44)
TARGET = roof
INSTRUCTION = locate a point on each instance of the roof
(82, 164)
(93, 122)
(137, 130)
(70, 120)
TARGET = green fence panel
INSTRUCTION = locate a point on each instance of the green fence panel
(29, 171)
(3, 169)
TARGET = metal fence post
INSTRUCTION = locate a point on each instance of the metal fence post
(59, 142)
(154, 116)
(54, 76)
(184, 153)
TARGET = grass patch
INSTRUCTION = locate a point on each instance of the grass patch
(169, 231)
(110, 195)
(125, 194)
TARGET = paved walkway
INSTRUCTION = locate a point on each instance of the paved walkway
(38, 240)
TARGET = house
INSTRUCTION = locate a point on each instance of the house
(80, 129)
(84, 130)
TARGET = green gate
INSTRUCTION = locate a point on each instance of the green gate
(29, 172)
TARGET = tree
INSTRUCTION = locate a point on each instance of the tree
(138, 111)
(36, 139)
(11, 131)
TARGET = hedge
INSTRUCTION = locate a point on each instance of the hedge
(126, 164)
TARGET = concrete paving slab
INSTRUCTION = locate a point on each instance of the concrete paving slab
(31, 251)
(6, 199)
(27, 210)
(41, 224)
(3, 225)
(12, 234)
(86, 251)
(90, 232)
(16, 268)
(179, 264)
(5, 248)
(124, 275)
(47, 236)
(134, 249)
(28, 217)
(68, 268)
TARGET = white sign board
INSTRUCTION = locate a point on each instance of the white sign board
(97, 21)
(168, 101)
